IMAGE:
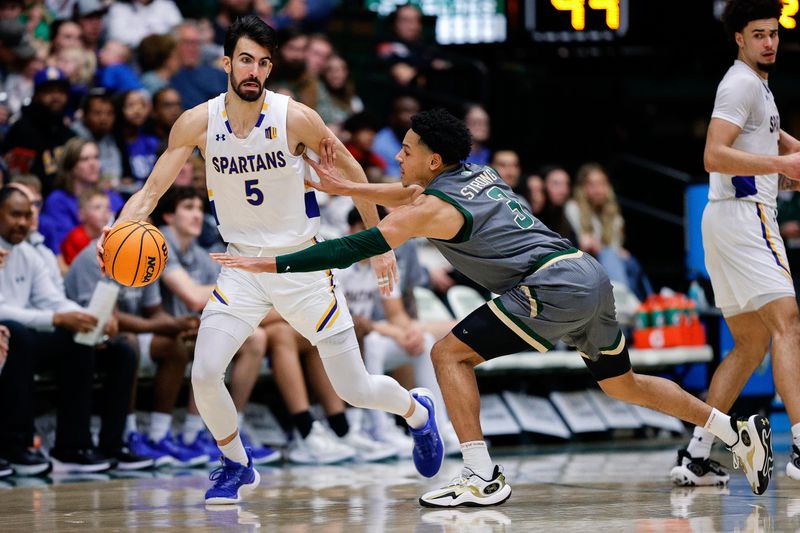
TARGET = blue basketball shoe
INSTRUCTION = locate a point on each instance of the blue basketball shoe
(231, 481)
(261, 454)
(205, 444)
(185, 457)
(138, 443)
(428, 447)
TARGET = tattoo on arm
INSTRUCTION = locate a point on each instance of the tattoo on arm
(786, 184)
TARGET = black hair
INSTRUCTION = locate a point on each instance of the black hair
(739, 13)
(96, 93)
(6, 192)
(161, 92)
(360, 121)
(253, 28)
(174, 196)
(444, 134)
(354, 217)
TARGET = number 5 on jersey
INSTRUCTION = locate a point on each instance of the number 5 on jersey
(253, 193)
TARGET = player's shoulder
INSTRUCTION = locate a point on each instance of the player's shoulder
(740, 78)
(191, 126)
(298, 113)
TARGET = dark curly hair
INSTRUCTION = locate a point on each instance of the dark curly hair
(444, 134)
(739, 13)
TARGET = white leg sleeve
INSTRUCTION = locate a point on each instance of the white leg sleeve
(345, 368)
(219, 338)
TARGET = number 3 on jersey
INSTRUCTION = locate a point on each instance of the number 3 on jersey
(523, 219)
(253, 194)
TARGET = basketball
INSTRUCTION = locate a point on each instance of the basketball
(135, 253)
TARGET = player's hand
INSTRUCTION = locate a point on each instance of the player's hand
(255, 265)
(414, 340)
(99, 248)
(3, 254)
(331, 180)
(112, 327)
(77, 321)
(790, 164)
(385, 268)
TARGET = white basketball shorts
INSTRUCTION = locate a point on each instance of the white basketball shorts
(309, 301)
(744, 255)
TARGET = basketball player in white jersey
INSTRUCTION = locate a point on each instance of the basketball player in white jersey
(253, 142)
(750, 159)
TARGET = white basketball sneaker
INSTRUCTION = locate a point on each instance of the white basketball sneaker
(470, 490)
(368, 449)
(318, 448)
(793, 466)
(753, 450)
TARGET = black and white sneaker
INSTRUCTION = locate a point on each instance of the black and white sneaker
(470, 490)
(87, 460)
(5, 469)
(793, 466)
(753, 450)
(127, 460)
(697, 472)
(28, 462)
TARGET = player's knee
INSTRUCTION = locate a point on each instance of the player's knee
(205, 376)
(356, 394)
(449, 351)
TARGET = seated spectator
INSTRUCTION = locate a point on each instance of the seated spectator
(361, 132)
(80, 66)
(79, 170)
(338, 99)
(114, 74)
(42, 340)
(97, 125)
(35, 142)
(534, 193)
(479, 125)
(289, 75)
(167, 108)
(389, 140)
(318, 53)
(91, 16)
(139, 149)
(64, 33)
(150, 16)
(31, 187)
(19, 87)
(186, 285)
(557, 192)
(156, 335)
(194, 81)
(596, 219)
(94, 213)
(158, 59)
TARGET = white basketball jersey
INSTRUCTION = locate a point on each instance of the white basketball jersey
(255, 185)
(744, 99)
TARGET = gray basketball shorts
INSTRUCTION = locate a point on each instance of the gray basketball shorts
(569, 300)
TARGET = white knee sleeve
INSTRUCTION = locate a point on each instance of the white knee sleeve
(219, 338)
(345, 368)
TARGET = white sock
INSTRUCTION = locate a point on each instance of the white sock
(130, 424)
(419, 417)
(700, 445)
(476, 458)
(719, 424)
(192, 426)
(796, 434)
(160, 424)
(234, 450)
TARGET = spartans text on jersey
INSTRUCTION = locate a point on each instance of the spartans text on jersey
(248, 163)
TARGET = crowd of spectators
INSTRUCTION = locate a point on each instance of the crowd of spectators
(89, 90)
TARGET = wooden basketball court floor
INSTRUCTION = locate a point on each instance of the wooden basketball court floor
(616, 490)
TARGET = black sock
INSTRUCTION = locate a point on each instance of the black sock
(302, 421)
(339, 424)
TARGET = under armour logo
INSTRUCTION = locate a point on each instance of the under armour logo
(220, 136)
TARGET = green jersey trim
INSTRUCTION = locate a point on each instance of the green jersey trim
(517, 326)
(466, 230)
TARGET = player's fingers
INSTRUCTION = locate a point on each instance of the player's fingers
(330, 149)
(313, 164)
(313, 184)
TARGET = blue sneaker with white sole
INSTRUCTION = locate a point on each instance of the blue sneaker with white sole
(232, 480)
(262, 455)
(185, 457)
(428, 450)
(205, 444)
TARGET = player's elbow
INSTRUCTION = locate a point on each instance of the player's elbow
(709, 160)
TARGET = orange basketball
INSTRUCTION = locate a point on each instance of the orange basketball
(135, 253)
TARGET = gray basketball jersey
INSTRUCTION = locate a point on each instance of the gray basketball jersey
(501, 242)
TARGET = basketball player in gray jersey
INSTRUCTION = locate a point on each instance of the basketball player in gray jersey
(548, 291)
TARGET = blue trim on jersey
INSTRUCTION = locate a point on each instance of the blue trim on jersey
(312, 207)
(767, 239)
(214, 211)
(260, 120)
(219, 297)
(744, 185)
(329, 315)
(228, 126)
